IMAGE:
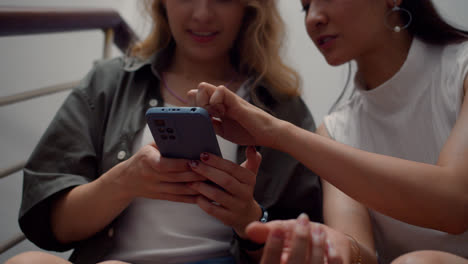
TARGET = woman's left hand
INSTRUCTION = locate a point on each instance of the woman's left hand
(228, 194)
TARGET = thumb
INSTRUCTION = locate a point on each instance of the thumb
(254, 158)
(153, 144)
(258, 232)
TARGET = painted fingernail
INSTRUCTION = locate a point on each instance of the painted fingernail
(303, 219)
(193, 163)
(302, 224)
(204, 156)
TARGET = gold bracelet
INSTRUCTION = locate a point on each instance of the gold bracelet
(357, 259)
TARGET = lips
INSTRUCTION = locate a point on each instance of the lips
(203, 36)
(325, 41)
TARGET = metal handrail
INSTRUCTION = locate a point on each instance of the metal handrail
(11, 99)
(13, 241)
(15, 21)
(12, 169)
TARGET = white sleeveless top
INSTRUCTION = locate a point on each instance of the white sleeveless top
(410, 116)
(158, 231)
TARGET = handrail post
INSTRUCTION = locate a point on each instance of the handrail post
(108, 40)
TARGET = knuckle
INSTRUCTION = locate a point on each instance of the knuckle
(228, 181)
(158, 166)
(215, 195)
(195, 186)
(209, 209)
(251, 179)
(232, 167)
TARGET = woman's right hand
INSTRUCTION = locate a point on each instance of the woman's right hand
(235, 119)
(298, 241)
(148, 174)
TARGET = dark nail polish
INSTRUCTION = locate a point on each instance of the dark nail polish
(204, 156)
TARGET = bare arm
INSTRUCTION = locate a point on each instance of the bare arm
(344, 214)
(432, 196)
(87, 209)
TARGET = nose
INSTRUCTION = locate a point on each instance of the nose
(203, 10)
(315, 19)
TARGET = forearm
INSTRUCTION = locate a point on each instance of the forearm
(87, 209)
(398, 184)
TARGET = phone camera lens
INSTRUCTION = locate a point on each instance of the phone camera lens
(164, 137)
(170, 130)
(172, 137)
(161, 129)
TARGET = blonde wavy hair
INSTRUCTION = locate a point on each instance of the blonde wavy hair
(257, 51)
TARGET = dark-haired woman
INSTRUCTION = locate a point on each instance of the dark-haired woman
(393, 157)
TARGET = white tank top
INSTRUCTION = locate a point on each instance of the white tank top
(158, 231)
(410, 116)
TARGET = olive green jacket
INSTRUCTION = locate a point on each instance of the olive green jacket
(94, 130)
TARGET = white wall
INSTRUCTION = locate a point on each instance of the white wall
(35, 61)
(30, 62)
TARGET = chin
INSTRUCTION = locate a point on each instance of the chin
(335, 61)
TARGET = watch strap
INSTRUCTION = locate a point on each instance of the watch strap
(248, 244)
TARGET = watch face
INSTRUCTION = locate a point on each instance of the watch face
(264, 218)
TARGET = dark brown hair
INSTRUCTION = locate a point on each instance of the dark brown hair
(429, 26)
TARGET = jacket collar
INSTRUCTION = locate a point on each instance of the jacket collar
(158, 61)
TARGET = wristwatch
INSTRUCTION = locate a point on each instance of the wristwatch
(248, 244)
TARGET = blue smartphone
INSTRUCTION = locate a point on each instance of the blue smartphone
(182, 132)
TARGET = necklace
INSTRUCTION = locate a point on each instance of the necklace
(180, 98)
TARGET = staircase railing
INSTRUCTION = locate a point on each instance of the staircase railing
(16, 21)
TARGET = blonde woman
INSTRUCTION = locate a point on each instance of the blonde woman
(96, 183)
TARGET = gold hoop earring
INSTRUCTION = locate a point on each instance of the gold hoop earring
(397, 9)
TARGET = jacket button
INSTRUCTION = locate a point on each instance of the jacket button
(153, 102)
(121, 155)
(110, 232)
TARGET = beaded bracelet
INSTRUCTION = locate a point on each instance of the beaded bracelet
(357, 259)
